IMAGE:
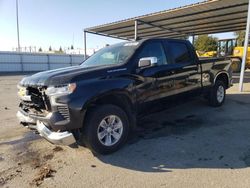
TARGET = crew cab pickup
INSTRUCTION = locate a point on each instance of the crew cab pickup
(98, 102)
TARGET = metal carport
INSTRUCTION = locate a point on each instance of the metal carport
(208, 17)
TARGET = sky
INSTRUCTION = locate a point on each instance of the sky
(44, 23)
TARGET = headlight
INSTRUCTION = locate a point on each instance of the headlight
(21, 91)
(61, 90)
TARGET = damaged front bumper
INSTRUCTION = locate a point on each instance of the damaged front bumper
(25, 120)
(58, 138)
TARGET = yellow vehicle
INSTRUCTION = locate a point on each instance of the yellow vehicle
(229, 48)
(206, 54)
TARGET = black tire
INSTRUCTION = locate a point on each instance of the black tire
(212, 97)
(236, 65)
(90, 128)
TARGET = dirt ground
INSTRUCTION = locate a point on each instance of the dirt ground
(190, 145)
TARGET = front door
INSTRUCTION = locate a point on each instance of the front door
(149, 77)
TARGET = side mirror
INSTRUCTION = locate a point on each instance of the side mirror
(147, 61)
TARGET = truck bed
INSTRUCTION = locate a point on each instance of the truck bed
(212, 59)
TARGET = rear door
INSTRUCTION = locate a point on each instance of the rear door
(185, 67)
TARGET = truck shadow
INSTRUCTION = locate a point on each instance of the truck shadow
(191, 135)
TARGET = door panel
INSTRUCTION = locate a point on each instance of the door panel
(187, 78)
(147, 89)
(185, 68)
(145, 85)
(165, 81)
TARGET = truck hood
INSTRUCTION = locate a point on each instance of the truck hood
(63, 76)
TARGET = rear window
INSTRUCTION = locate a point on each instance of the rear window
(180, 52)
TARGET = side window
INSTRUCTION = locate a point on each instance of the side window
(180, 52)
(154, 49)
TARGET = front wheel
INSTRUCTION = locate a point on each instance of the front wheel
(217, 94)
(106, 129)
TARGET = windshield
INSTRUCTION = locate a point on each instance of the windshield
(111, 55)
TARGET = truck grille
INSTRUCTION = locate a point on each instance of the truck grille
(38, 104)
(64, 111)
(36, 98)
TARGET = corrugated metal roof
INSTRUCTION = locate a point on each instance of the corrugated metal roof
(208, 17)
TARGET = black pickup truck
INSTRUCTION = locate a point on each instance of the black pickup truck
(98, 102)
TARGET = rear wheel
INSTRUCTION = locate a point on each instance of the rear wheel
(217, 94)
(106, 129)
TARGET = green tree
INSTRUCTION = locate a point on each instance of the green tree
(205, 43)
(72, 47)
(40, 49)
(240, 35)
(60, 49)
(50, 49)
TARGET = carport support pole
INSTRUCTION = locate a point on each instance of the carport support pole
(85, 44)
(243, 65)
(136, 29)
(192, 39)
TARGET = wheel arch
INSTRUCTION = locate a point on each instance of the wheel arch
(119, 98)
(223, 76)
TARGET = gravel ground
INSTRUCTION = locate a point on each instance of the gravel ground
(190, 145)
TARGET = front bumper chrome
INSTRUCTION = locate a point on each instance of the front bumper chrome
(59, 138)
(24, 119)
